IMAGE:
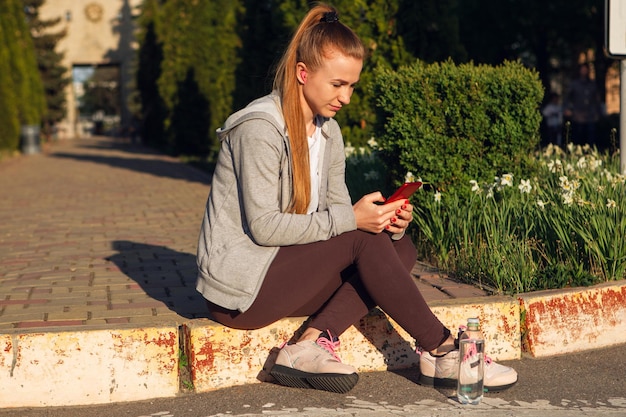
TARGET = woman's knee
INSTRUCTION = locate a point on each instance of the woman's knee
(406, 251)
(383, 245)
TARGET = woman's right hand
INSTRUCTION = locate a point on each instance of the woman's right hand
(374, 218)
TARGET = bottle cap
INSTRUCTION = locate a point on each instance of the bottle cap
(473, 323)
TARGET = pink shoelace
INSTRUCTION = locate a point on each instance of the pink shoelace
(329, 344)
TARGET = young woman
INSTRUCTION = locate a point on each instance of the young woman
(280, 236)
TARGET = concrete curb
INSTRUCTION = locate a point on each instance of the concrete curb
(93, 366)
(564, 321)
(80, 367)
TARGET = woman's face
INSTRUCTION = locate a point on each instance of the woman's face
(330, 87)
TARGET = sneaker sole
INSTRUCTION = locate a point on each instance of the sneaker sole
(451, 383)
(339, 383)
(429, 381)
(500, 388)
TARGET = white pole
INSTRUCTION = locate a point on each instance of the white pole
(622, 116)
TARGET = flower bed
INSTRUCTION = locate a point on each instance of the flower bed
(562, 226)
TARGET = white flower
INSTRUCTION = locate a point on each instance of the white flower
(549, 150)
(541, 204)
(349, 150)
(568, 198)
(611, 203)
(578, 150)
(596, 164)
(507, 179)
(437, 197)
(409, 177)
(564, 182)
(555, 166)
(524, 186)
(582, 163)
(475, 186)
(372, 143)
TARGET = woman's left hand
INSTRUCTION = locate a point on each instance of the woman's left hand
(402, 218)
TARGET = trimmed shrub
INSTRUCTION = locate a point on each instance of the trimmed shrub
(450, 124)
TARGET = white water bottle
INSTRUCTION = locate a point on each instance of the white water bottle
(470, 383)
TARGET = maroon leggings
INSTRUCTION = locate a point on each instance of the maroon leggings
(338, 281)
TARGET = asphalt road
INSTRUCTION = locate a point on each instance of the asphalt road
(590, 383)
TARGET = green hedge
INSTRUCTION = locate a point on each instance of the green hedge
(450, 124)
(21, 89)
(9, 119)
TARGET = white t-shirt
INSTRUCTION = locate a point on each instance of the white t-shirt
(314, 162)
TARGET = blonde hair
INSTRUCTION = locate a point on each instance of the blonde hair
(318, 33)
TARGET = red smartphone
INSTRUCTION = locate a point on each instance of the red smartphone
(405, 191)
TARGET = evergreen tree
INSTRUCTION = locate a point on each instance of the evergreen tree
(430, 29)
(9, 117)
(264, 36)
(200, 57)
(53, 74)
(150, 56)
(29, 88)
(22, 83)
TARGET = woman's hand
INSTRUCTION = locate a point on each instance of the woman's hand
(392, 217)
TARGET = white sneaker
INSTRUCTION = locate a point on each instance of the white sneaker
(443, 370)
(309, 364)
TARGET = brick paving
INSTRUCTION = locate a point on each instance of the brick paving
(100, 232)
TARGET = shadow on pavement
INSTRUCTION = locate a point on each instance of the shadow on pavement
(169, 276)
(135, 158)
(164, 274)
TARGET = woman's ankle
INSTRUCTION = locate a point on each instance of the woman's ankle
(445, 347)
(310, 333)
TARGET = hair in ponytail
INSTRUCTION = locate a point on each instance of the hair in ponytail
(319, 32)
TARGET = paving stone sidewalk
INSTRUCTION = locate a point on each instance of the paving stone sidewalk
(102, 232)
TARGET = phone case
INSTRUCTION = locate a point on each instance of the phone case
(405, 191)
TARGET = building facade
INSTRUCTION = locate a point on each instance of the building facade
(99, 53)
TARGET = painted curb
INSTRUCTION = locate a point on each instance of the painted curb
(564, 321)
(500, 322)
(65, 368)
